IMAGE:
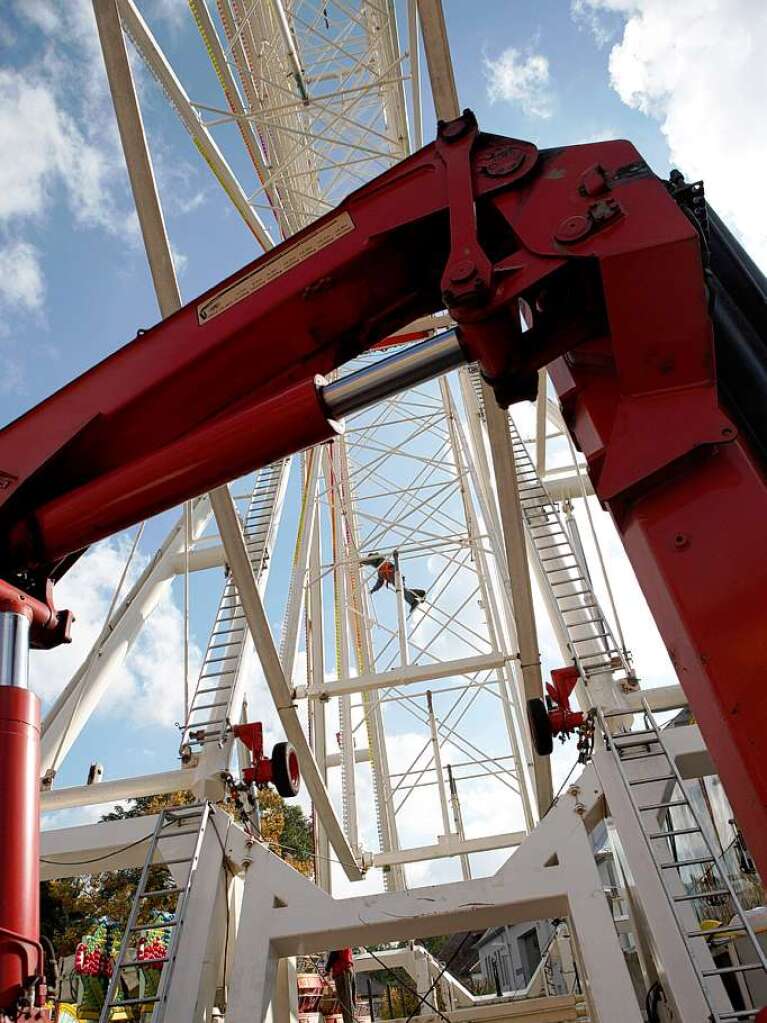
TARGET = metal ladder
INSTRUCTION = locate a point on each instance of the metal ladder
(210, 706)
(590, 637)
(173, 822)
(637, 747)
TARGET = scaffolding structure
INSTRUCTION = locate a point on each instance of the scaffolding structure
(415, 693)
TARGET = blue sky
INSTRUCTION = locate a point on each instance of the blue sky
(684, 82)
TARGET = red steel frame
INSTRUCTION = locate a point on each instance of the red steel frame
(607, 269)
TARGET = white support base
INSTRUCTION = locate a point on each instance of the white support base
(283, 914)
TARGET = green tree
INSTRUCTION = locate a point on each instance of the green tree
(69, 907)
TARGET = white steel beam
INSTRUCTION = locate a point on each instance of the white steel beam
(317, 723)
(74, 705)
(438, 60)
(450, 845)
(361, 756)
(291, 626)
(220, 62)
(237, 556)
(283, 916)
(519, 572)
(437, 758)
(541, 403)
(158, 63)
(415, 72)
(200, 558)
(113, 791)
(137, 158)
(403, 676)
(660, 698)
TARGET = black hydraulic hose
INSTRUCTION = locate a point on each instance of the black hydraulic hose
(52, 976)
(739, 312)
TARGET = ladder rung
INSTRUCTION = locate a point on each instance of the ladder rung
(632, 735)
(738, 1014)
(642, 756)
(185, 812)
(714, 893)
(160, 891)
(701, 933)
(138, 964)
(154, 927)
(200, 724)
(664, 806)
(181, 831)
(209, 706)
(632, 745)
(676, 831)
(589, 639)
(649, 781)
(583, 621)
(740, 968)
(133, 1001)
(694, 862)
(212, 689)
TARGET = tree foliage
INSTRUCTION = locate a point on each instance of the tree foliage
(69, 907)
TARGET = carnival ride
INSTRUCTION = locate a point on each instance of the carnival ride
(476, 253)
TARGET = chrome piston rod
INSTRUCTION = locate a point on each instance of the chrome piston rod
(414, 365)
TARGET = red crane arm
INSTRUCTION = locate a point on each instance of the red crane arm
(588, 248)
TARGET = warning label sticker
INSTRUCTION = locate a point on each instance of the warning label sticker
(274, 268)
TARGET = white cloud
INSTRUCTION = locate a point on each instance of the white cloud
(698, 68)
(55, 152)
(172, 12)
(21, 278)
(521, 79)
(585, 16)
(58, 135)
(41, 13)
(147, 688)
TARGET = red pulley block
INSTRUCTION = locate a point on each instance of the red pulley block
(558, 718)
(280, 770)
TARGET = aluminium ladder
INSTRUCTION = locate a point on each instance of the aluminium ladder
(211, 704)
(635, 748)
(590, 639)
(173, 822)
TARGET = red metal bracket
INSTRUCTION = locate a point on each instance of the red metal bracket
(48, 627)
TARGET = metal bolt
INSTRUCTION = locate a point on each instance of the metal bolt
(572, 229)
(681, 540)
(503, 161)
(462, 271)
(452, 130)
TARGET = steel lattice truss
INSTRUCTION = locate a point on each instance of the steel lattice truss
(317, 90)
(398, 488)
(320, 93)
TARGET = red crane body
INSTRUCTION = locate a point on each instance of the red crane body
(608, 271)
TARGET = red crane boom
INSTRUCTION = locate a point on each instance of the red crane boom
(608, 272)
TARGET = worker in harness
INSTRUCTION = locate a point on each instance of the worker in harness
(340, 966)
(386, 575)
